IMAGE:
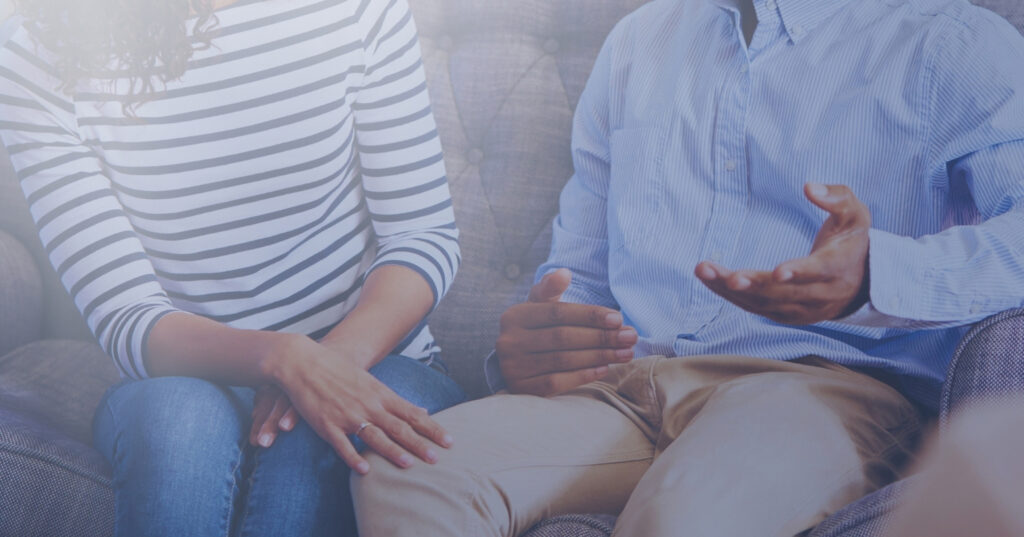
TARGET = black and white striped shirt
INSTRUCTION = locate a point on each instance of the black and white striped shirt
(293, 157)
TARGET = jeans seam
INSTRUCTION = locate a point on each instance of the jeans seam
(231, 494)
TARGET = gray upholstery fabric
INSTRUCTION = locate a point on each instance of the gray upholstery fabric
(60, 381)
(504, 78)
(574, 526)
(988, 364)
(52, 485)
(21, 304)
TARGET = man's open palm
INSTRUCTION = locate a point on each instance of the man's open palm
(827, 284)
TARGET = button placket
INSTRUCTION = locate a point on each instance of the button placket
(730, 200)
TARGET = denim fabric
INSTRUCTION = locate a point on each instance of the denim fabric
(183, 464)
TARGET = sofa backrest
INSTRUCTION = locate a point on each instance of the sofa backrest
(504, 78)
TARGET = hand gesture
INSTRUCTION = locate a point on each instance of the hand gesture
(547, 347)
(831, 282)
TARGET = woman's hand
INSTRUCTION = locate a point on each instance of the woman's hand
(272, 413)
(337, 398)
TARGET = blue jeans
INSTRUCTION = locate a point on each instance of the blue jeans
(183, 464)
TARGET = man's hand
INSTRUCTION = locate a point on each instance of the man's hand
(272, 414)
(547, 347)
(831, 282)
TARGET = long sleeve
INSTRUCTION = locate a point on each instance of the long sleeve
(83, 226)
(580, 232)
(400, 153)
(966, 272)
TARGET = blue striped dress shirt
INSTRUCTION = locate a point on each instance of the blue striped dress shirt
(689, 144)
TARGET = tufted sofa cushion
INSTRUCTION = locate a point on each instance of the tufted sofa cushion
(60, 318)
(21, 294)
(504, 78)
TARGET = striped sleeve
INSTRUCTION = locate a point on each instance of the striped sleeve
(403, 169)
(82, 224)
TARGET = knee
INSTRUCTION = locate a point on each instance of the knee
(388, 497)
(303, 452)
(418, 383)
(169, 419)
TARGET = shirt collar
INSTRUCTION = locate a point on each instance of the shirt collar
(799, 17)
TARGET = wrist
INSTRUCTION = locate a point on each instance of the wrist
(277, 361)
(348, 349)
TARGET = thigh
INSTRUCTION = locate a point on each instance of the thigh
(516, 460)
(176, 447)
(298, 486)
(418, 383)
(784, 447)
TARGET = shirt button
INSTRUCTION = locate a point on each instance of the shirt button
(475, 156)
(551, 46)
(512, 271)
(730, 165)
(975, 308)
(744, 68)
(770, 4)
(716, 257)
(796, 30)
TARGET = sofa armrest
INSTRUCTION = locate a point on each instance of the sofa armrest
(52, 484)
(21, 295)
(989, 362)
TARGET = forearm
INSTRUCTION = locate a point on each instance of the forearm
(186, 345)
(393, 301)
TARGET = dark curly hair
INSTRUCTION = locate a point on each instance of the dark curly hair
(147, 39)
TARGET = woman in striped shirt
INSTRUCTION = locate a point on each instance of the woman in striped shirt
(240, 193)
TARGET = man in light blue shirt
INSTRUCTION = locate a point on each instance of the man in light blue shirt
(794, 200)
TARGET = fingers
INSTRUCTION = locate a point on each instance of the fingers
(378, 440)
(805, 299)
(263, 404)
(565, 338)
(551, 287)
(563, 361)
(269, 429)
(810, 269)
(531, 315)
(841, 203)
(405, 436)
(554, 384)
(423, 424)
(289, 420)
(346, 451)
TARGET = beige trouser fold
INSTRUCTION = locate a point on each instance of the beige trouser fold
(703, 446)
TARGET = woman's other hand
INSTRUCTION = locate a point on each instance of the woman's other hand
(272, 414)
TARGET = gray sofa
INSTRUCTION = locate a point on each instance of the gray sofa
(504, 77)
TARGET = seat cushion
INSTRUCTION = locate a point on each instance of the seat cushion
(53, 485)
(21, 295)
(58, 382)
(574, 526)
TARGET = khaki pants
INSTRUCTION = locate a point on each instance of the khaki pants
(705, 446)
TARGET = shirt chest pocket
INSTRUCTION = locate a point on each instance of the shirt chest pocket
(636, 191)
